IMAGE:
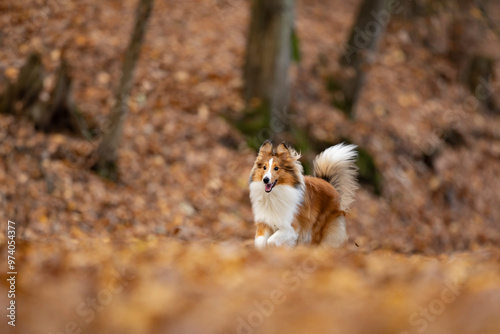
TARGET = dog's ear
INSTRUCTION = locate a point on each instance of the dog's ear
(282, 150)
(266, 148)
(285, 151)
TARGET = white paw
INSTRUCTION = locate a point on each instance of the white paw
(280, 238)
(260, 242)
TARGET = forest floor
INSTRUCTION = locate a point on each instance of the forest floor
(168, 248)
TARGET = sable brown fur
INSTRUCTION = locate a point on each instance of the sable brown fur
(318, 214)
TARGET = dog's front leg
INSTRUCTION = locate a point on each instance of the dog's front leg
(261, 235)
(283, 237)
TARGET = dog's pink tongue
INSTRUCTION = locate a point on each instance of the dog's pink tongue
(269, 186)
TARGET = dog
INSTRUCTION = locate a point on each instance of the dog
(292, 209)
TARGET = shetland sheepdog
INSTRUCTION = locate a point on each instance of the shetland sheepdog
(290, 208)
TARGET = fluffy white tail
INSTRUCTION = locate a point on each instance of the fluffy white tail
(337, 166)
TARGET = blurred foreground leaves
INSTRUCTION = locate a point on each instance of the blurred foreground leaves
(163, 285)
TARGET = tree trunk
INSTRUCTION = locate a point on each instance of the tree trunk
(360, 51)
(27, 88)
(107, 155)
(265, 74)
(480, 81)
(59, 113)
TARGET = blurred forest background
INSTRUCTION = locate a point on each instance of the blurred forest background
(128, 130)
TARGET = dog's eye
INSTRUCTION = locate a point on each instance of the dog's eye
(264, 167)
(276, 168)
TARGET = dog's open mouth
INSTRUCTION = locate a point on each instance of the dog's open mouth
(270, 186)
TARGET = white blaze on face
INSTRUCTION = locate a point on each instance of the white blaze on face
(268, 174)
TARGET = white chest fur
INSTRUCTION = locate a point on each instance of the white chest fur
(277, 208)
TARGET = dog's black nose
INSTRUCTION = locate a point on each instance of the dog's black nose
(266, 180)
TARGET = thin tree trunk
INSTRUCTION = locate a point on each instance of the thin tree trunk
(107, 154)
(265, 73)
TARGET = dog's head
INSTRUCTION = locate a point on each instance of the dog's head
(278, 167)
